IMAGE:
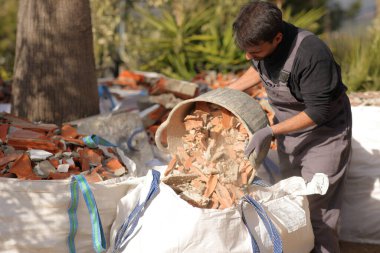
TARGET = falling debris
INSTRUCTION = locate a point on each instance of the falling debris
(210, 170)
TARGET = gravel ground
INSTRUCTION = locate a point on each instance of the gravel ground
(365, 98)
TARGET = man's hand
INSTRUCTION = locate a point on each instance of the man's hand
(255, 144)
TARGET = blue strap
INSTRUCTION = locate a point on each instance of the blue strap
(98, 238)
(92, 141)
(104, 92)
(132, 136)
(271, 229)
(127, 228)
(260, 182)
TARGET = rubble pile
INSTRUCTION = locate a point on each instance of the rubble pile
(45, 151)
(152, 94)
(209, 170)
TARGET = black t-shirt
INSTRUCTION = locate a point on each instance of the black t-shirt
(315, 78)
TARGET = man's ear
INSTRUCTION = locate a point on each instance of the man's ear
(278, 38)
(247, 56)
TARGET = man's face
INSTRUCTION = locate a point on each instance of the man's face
(263, 49)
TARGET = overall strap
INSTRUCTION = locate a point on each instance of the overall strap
(285, 72)
(265, 78)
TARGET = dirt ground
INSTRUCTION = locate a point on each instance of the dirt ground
(369, 98)
(350, 247)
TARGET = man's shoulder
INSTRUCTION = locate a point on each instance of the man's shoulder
(313, 48)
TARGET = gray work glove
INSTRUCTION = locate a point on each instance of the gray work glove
(255, 143)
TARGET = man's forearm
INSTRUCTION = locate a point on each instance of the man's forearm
(250, 78)
(295, 123)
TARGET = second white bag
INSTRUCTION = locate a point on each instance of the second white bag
(153, 218)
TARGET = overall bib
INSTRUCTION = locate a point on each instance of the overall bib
(324, 148)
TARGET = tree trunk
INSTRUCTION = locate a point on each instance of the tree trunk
(54, 71)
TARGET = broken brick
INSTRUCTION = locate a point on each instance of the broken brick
(202, 106)
(54, 162)
(32, 144)
(22, 167)
(226, 119)
(93, 177)
(59, 175)
(115, 166)
(9, 158)
(69, 131)
(4, 132)
(171, 166)
(193, 124)
(211, 185)
(179, 179)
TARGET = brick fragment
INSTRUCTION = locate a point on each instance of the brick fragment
(179, 179)
(9, 158)
(202, 106)
(214, 201)
(22, 167)
(171, 166)
(93, 175)
(224, 196)
(226, 119)
(191, 124)
(3, 132)
(59, 175)
(114, 166)
(211, 185)
(69, 132)
(195, 199)
(21, 143)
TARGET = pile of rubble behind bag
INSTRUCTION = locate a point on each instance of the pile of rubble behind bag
(209, 170)
(45, 151)
(151, 94)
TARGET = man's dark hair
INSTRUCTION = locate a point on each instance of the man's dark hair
(257, 22)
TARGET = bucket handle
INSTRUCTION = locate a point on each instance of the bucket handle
(157, 137)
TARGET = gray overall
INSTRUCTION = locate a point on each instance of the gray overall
(324, 148)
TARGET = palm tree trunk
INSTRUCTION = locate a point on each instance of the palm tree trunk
(54, 71)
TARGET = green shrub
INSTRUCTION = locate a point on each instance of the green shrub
(358, 57)
(8, 25)
(184, 39)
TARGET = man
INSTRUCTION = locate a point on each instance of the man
(312, 111)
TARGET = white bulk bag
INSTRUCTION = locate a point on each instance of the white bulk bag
(153, 218)
(34, 214)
